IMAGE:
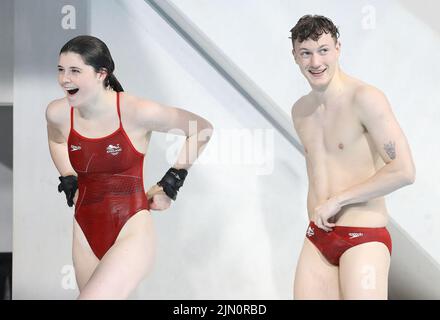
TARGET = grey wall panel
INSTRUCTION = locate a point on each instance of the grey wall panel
(6, 50)
(6, 179)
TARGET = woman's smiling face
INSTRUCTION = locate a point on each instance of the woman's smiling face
(78, 80)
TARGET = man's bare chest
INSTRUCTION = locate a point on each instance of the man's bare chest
(331, 130)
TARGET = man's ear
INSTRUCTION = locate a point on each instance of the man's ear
(338, 46)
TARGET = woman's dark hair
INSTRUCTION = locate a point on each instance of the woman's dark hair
(95, 53)
(312, 27)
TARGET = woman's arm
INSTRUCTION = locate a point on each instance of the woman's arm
(197, 130)
(56, 128)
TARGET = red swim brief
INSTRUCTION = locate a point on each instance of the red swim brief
(334, 243)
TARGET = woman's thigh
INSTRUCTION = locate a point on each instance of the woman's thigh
(126, 263)
(84, 260)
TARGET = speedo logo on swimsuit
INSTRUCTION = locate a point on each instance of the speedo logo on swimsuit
(74, 148)
(113, 150)
(310, 232)
(355, 235)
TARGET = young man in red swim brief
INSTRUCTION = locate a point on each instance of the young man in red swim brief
(356, 153)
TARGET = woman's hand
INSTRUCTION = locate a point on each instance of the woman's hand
(326, 211)
(75, 198)
(158, 199)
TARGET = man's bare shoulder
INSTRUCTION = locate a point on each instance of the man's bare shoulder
(58, 111)
(364, 93)
(300, 106)
(369, 100)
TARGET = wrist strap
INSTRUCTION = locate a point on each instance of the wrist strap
(172, 181)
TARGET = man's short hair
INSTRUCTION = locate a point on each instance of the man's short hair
(312, 27)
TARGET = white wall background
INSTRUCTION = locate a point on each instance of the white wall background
(229, 229)
(385, 43)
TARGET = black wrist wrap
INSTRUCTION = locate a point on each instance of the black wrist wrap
(69, 185)
(172, 181)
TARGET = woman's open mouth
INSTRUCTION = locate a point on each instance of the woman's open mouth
(72, 91)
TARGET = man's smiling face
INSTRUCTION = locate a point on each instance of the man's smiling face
(317, 60)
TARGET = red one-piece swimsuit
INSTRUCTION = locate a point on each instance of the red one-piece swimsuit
(110, 184)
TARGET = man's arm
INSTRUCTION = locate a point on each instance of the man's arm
(377, 117)
(297, 112)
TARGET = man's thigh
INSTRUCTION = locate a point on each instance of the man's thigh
(363, 271)
(315, 277)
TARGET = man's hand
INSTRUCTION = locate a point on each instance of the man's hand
(324, 212)
(158, 199)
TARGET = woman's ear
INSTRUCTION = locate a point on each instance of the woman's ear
(102, 74)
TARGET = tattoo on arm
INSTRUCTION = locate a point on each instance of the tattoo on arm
(390, 149)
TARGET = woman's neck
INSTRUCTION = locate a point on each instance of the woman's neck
(98, 105)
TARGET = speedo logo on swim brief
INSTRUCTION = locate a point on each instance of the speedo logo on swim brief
(310, 232)
(113, 150)
(355, 235)
(74, 148)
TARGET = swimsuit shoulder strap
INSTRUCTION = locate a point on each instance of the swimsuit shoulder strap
(119, 109)
(71, 118)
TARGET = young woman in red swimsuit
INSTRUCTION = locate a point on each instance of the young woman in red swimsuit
(98, 136)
